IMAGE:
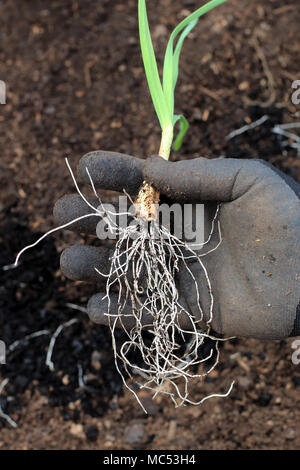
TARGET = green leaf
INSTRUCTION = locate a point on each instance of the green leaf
(171, 62)
(196, 15)
(178, 48)
(184, 127)
(171, 66)
(163, 95)
(154, 83)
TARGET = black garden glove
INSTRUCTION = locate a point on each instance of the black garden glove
(255, 272)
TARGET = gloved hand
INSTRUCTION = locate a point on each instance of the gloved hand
(255, 272)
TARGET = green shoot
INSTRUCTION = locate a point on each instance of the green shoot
(162, 93)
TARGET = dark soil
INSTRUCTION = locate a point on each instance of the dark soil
(75, 83)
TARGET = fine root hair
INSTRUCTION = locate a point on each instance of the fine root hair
(165, 345)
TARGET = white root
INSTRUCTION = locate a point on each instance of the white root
(3, 415)
(152, 262)
(49, 363)
(143, 271)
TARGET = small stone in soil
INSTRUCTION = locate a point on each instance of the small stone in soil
(264, 399)
(296, 380)
(244, 382)
(134, 433)
(150, 405)
(77, 430)
(92, 433)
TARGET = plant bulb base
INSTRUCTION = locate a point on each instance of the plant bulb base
(147, 202)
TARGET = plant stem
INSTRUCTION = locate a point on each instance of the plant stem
(166, 142)
(148, 197)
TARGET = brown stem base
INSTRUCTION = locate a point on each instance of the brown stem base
(147, 202)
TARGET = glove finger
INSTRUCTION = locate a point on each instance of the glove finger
(202, 179)
(78, 263)
(72, 206)
(111, 170)
(98, 307)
